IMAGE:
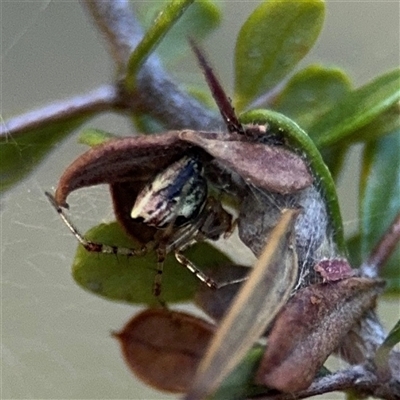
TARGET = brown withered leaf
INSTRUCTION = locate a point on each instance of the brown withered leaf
(128, 159)
(163, 347)
(139, 158)
(126, 164)
(310, 327)
(272, 168)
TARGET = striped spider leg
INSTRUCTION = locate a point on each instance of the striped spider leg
(175, 202)
(89, 245)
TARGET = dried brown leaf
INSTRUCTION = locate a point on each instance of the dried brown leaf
(163, 347)
(272, 168)
(139, 158)
(310, 327)
(120, 160)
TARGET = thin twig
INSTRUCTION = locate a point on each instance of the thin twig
(383, 250)
(100, 99)
(356, 377)
(156, 93)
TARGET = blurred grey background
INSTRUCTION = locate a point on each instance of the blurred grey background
(55, 338)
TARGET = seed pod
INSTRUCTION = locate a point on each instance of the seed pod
(309, 328)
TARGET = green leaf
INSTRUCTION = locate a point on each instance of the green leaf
(357, 109)
(239, 383)
(21, 153)
(380, 199)
(197, 22)
(131, 279)
(301, 143)
(354, 251)
(93, 137)
(163, 23)
(382, 125)
(145, 123)
(310, 93)
(276, 36)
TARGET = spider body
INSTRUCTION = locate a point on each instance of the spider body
(175, 196)
(176, 203)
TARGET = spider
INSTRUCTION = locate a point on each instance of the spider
(159, 183)
(176, 203)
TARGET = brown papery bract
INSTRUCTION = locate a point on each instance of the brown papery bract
(310, 327)
(163, 347)
(283, 171)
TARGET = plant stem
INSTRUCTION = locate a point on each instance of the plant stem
(156, 94)
(100, 99)
(383, 250)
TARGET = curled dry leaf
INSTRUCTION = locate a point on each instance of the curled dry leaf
(282, 170)
(140, 158)
(127, 164)
(119, 160)
(163, 347)
(310, 327)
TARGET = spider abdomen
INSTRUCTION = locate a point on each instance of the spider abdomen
(175, 195)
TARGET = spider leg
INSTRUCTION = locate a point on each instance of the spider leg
(210, 282)
(161, 254)
(93, 246)
(231, 229)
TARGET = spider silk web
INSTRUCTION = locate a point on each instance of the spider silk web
(56, 341)
(55, 337)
